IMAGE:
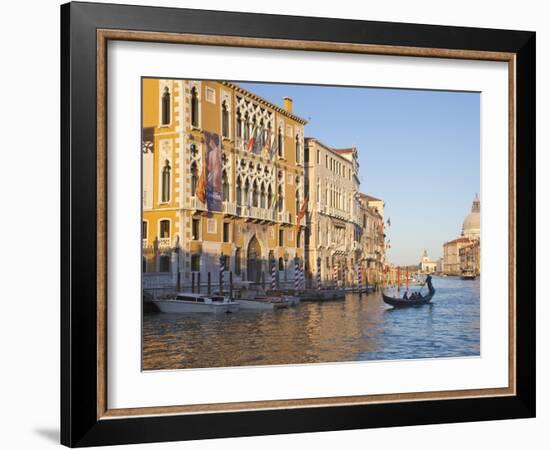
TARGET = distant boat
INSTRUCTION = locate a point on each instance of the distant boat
(254, 297)
(468, 275)
(188, 302)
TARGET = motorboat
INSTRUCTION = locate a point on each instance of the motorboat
(468, 275)
(188, 302)
(251, 296)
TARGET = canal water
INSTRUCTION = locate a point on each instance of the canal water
(359, 328)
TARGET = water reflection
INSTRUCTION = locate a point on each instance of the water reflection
(354, 329)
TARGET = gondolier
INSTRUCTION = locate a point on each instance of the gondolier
(416, 301)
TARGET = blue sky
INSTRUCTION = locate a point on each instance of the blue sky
(419, 151)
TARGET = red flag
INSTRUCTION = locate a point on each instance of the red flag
(201, 187)
(252, 139)
(301, 213)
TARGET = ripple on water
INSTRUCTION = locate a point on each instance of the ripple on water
(355, 329)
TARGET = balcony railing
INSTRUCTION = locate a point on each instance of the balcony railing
(230, 208)
(195, 203)
(165, 242)
(284, 217)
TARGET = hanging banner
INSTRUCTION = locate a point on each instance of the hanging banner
(213, 172)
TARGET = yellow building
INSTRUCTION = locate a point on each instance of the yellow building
(246, 155)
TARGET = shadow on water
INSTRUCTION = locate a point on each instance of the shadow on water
(357, 328)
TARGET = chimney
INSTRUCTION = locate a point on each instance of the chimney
(287, 104)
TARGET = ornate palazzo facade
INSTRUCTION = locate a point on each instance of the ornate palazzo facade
(262, 180)
(344, 233)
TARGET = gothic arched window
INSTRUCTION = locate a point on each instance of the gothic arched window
(269, 196)
(239, 192)
(225, 187)
(239, 124)
(225, 120)
(262, 196)
(194, 107)
(280, 143)
(166, 107)
(262, 135)
(194, 178)
(245, 127)
(280, 198)
(165, 197)
(255, 195)
(247, 193)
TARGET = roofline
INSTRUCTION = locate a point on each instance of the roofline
(262, 100)
(458, 239)
(343, 150)
(332, 150)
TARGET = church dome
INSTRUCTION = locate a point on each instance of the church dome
(471, 224)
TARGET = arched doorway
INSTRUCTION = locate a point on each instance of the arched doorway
(254, 260)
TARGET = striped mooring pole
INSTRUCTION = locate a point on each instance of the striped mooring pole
(296, 277)
(273, 275)
(359, 276)
(318, 273)
(303, 275)
(222, 268)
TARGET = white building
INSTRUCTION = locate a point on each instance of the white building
(426, 264)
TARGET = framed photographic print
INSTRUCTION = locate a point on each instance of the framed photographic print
(277, 224)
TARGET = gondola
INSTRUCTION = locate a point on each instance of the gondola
(403, 303)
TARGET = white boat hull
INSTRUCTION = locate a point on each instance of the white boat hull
(258, 305)
(264, 305)
(177, 306)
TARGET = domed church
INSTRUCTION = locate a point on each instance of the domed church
(471, 224)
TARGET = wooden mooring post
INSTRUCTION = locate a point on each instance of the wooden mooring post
(209, 284)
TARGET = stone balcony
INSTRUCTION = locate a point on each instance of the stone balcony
(195, 204)
(284, 217)
(229, 209)
(331, 211)
(165, 242)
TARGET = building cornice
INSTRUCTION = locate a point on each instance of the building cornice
(264, 102)
(330, 149)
